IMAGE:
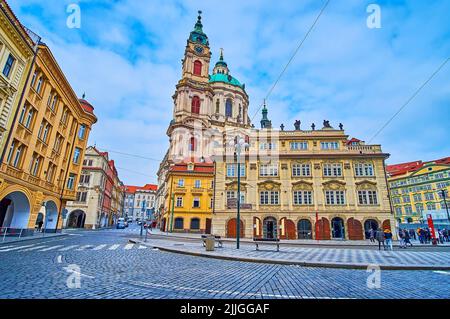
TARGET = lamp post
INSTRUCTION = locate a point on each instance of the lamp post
(443, 193)
(142, 217)
(238, 145)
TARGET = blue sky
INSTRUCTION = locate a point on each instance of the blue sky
(127, 58)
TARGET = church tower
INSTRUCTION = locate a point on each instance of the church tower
(192, 98)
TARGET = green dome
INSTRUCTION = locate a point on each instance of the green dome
(228, 79)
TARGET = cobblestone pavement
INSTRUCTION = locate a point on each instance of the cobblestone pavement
(311, 255)
(111, 267)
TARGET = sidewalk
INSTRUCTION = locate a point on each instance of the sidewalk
(36, 236)
(302, 242)
(307, 256)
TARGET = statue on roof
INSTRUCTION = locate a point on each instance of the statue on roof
(313, 126)
(341, 126)
(326, 124)
(297, 124)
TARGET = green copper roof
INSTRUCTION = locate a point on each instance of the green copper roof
(228, 79)
(198, 35)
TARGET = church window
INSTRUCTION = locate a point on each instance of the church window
(197, 68)
(195, 107)
(229, 108)
(217, 106)
(193, 144)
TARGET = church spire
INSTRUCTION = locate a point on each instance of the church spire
(198, 36)
(199, 25)
(265, 122)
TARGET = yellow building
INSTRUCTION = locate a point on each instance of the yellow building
(419, 188)
(40, 170)
(189, 198)
(16, 57)
(303, 184)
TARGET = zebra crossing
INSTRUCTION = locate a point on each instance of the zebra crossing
(49, 247)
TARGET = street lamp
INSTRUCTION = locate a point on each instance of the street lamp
(142, 217)
(443, 193)
(239, 145)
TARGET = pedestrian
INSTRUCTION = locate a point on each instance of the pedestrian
(407, 239)
(380, 238)
(412, 234)
(422, 237)
(445, 232)
(40, 225)
(372, 235)
(401, 235)
(441, 236)
(388, 237)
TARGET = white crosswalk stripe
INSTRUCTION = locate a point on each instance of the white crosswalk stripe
(68, 248)
(84, 247)
(33, 248)
(17, 248)
(44, 248)
(52, 248)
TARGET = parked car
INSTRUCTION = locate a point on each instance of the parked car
(130, 220)
(121, 225)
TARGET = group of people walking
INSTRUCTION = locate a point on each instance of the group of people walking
(384, 237)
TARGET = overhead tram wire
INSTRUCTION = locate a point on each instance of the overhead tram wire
(292, 57)
(412, 97)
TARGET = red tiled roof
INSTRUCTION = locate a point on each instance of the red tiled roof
(403, 168)
(87, 107)
(198, 168)
(132, 189)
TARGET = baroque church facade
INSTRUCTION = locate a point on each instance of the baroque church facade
(295, 184)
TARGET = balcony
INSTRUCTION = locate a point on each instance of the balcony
(197, 190)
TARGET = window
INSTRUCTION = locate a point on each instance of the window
(85, 179)
(329, 145)
(39, 85)
(22, 114)
(196, 202)
(268, 170)
(29, 118)
(431, 206)
(408, 210)
(335, 197)
(197, 68)
(367, 197)
(195, 106)
(76, 155)
(36, 165)
(417, 197)
(398, 210)
(406, 199)
(179, 223)
(195, 223)
(332, 170)
(268, 146)
(269, 198)
(362, 169)
(197, 183)
(217, 106)
(82, 131)
(232, 170)
(17, 156)
(301, 170)
(396, 200)
(181, 182)
(193, 144)
(419, 207)
(179, 202)
(299, 146)
(46, 131)
(81, 197)
(303, 198)
(429, 196)
(50, 172)
(33, 80)
(8, 66)
(71, 181)
(233, 194)
(54, 102)
(229, 108)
